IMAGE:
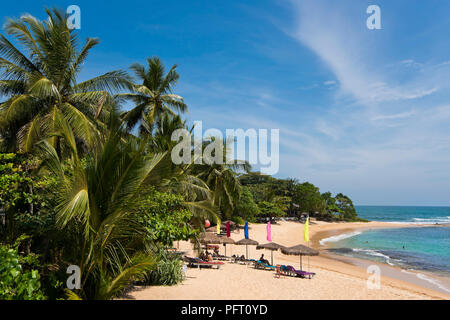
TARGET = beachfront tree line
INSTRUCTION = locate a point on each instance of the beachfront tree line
(263, 197)
(85, 183)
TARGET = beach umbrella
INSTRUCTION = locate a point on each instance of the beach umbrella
(226, 241)
(210, 238)
(272, 246)
(211, 229)
(228, 229)
(247, 242)
(300, 250)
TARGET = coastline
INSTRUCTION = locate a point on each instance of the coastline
(337, 277)
(417, 280)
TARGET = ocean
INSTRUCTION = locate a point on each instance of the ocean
(412, 249)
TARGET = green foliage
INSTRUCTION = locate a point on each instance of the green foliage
(155, 97)
(246, 207)
(26, 197)
(16, 283)
(14, 181)
(165, 218)
(168, 271)
(269, 209)
(278, 197)
(346, 208)
(309, 199)
(40, 80)
(241, 221)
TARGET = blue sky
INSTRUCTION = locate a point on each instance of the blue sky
(363, 112)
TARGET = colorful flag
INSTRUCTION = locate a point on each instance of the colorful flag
(246, 230)
(306, 230)
(228, 229)
(218, 226)
(269, 232)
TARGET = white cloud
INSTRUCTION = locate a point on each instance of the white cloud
(329, 82)
(340, 41)
(394, 116)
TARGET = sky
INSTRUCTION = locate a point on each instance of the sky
(362, 112)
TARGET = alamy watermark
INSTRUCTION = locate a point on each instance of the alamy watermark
(374, 280)
(74, 280)
(192, 147)
(374, 20)
(73, 17)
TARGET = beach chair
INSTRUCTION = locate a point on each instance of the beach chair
(300, 273)
(220, 257)
(196, 262)
(280, 271)
(242, 260)
(261, 265)
(200, 262)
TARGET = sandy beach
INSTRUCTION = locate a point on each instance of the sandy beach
(337, 277)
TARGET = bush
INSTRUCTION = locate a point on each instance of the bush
(168, 271)
(17, 284)
(240, 221)
(165, 218)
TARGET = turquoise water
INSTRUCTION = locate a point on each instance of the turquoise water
(417, 215)
(419, 248)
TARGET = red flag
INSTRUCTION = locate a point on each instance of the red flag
(228, 229)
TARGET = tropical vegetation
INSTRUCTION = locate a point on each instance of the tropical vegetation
(84, 182)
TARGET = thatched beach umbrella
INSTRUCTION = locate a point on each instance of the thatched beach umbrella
(210, 238)
(272, 246)
(300, 250)
(211, 229)
(225, 241)
(247, 242)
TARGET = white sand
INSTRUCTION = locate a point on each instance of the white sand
(334, 279)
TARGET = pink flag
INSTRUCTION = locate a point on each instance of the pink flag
(269, 232)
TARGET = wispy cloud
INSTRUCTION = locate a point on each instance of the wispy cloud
(341, 41)
(394, 116)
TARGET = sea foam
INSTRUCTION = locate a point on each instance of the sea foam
(426, 278)
(339, 237)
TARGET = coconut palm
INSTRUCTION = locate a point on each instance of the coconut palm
(222, 179)
(40, 81)
(154, 97)
(96, 196)
(160, 136)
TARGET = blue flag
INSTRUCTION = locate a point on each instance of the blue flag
(246, 230)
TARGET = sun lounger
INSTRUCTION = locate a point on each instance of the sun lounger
(281, 271)
(242, 260)
(261, 265)
(300, 273)
(221, 257)
(197, 262)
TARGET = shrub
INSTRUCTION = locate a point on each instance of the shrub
(17, 284)
(168, 271)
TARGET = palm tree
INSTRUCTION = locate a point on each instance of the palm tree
(41, 81)
(222, 179)
(154, 97)
(160, 137)
(97, 197)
